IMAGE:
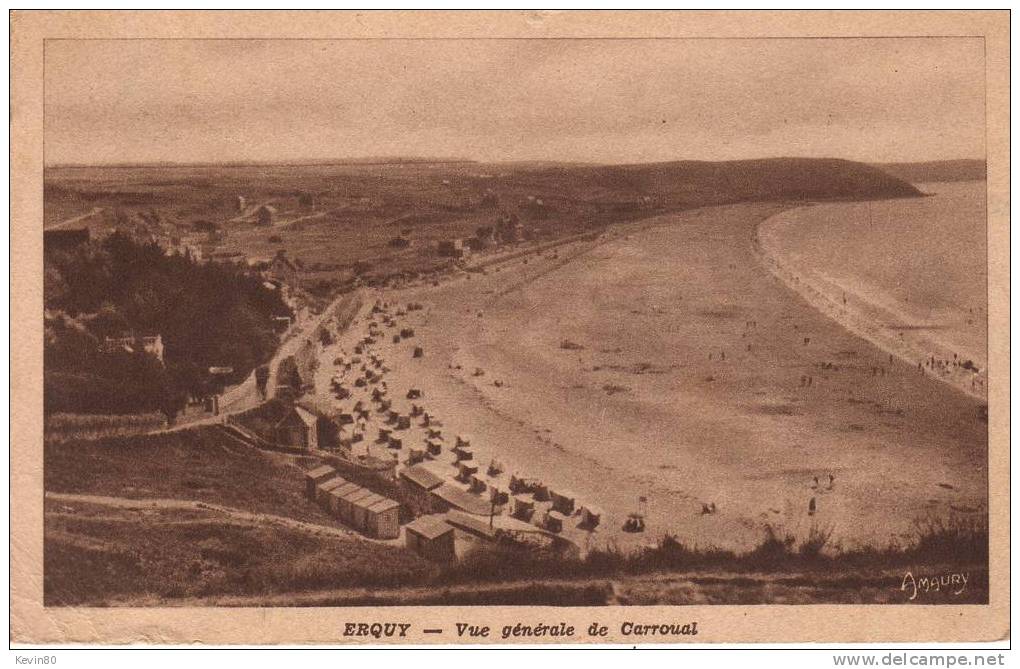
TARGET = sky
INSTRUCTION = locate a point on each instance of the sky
(608, 101)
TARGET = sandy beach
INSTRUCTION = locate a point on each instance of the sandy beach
(664, 361)
(848, 260)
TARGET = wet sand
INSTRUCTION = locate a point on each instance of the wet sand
(908, 275)
(612, 382)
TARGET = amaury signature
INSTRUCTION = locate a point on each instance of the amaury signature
(954, 583)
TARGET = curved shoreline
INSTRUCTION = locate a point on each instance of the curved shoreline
(853, 314)
(647, 407)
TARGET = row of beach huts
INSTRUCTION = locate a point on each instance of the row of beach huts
(437, 480)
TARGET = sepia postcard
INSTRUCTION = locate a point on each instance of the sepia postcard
(521, 327)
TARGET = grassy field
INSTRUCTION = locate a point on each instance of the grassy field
(95, 555)
(98, 556)
(200, 464)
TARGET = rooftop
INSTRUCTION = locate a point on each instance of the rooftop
(319, 471)
(461, 499)
(422, 476)
(384, 505)
(471, 524)
(332, 483)
(429, 527)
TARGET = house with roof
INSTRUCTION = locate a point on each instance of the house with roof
(448, 496)
(432, 538)
(419, 482)
(282, 269)
(300, 428)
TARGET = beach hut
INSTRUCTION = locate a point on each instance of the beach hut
(434, 448)
(395, 443)
(591, 516)
(478, 485)
(519, 484)
(322, 490)
(432, 538)
(415, 456)
(563, 501)
(384, 435)
(317, 476)
(414, 394)
(498, 496)
(419, 352)
(344, 495)
(462, 453)
(360, 510)
(463, 441)
(540, 491)
(465, 471)
(403, 422)
(523, 507)
(382, 519)
(553, 521)
(335, 498)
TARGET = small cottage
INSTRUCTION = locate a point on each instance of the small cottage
(432, 538)
(299, 428)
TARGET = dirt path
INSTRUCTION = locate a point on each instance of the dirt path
(77, 219)
(187, 505)
(245, 395)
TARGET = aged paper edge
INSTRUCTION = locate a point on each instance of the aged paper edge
(32, 624)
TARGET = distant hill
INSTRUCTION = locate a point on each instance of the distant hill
(697, 183)
(936, 170)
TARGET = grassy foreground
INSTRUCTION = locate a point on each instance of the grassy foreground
(100, 554)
